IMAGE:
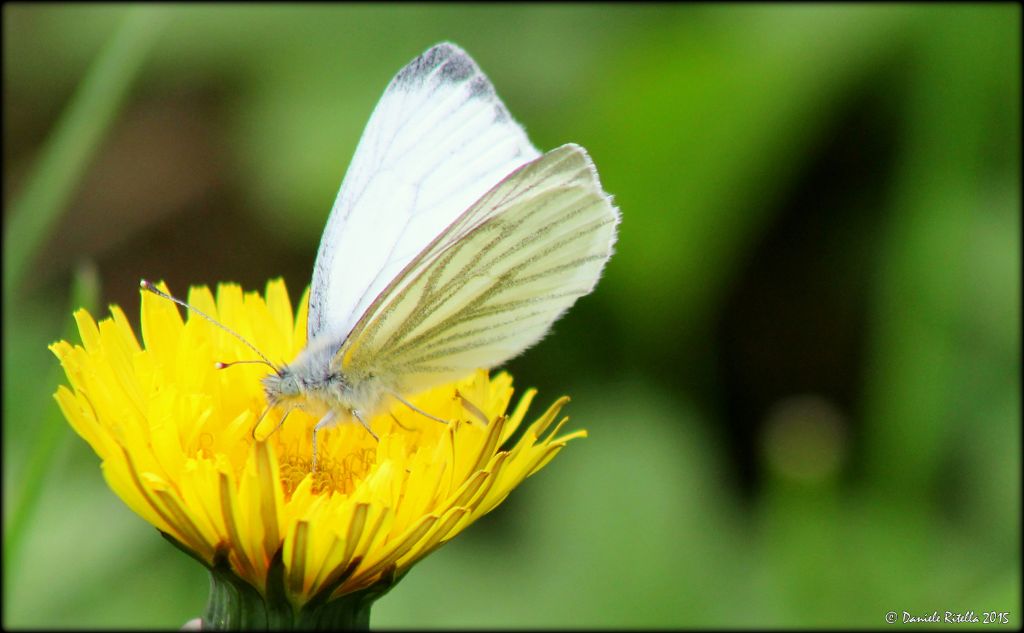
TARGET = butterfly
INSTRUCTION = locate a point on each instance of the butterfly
(453, 244)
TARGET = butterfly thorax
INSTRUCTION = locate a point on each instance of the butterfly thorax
(314, 383)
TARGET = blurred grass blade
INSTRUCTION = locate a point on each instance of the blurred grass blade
(67, 151)
(52, 432)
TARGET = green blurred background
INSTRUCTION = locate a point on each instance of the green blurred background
(800, 373)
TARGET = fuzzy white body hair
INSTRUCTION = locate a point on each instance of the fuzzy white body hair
(313, 384)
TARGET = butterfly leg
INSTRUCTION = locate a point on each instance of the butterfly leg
(366, 426)
(279, 424)
(325, 422)
(417, 409)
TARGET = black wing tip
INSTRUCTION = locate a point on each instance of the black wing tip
(453, 65)
(446, 48)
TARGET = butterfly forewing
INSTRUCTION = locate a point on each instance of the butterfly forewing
(437, 141)
(494, 281)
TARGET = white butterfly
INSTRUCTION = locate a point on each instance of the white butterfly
(453, 244)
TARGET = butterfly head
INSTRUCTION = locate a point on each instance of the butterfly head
(310, 382)
(298, 385)
(282, 386)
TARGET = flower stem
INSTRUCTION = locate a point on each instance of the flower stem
(236, 605)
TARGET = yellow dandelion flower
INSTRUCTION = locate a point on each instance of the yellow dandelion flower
(285, 546)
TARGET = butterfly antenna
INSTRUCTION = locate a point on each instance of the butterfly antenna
(220, 365)
(145, 285)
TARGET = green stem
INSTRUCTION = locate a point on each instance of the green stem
(236, 605)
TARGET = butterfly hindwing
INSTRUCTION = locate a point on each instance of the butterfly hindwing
(494, 281)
